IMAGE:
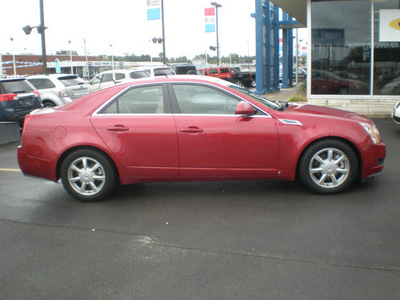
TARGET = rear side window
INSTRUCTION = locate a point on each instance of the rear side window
(15, 87)
(224, 70)
(213, 71)
(71, 80)
(119, 76)
(141, 100)
(42, 83)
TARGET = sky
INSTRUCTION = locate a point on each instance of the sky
(121, 27)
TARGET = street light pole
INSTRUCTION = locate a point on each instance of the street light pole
(41, 30)
(70, 54)
(14, 66)
(163, 33)
(217, 5)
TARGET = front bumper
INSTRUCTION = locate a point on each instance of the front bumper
(373, 162)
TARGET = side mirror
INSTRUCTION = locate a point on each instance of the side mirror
(244, 108)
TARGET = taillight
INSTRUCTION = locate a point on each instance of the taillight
(8, 97)
(36, 93)
(63, 93)
(26, 121)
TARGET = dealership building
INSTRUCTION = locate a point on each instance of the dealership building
(353, 51)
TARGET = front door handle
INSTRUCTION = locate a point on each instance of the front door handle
(191, 129)
(117, 128)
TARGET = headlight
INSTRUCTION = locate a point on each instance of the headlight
(372, 132)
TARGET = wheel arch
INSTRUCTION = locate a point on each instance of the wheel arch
(44, 100)
(85, 147)
(334, 138)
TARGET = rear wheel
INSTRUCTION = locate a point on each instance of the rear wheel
(328, 167)
(48, 103)
(87, 175)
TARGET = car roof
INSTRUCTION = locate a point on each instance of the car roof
(119, 71)
(52, 75)
(179, 78)
(12, 79)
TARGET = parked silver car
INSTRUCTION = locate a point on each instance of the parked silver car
(109, 78)
(396, 113)
(59, 89)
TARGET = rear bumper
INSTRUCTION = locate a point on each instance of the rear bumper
(37, 167)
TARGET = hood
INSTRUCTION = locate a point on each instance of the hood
(306, 109)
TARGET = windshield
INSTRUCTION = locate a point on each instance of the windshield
(274, 105)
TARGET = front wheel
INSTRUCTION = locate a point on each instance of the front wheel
(328, 167)
(87, 175)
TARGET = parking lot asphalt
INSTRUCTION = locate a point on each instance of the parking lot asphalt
(220, 240)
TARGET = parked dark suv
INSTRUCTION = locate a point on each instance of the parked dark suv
(17, 99)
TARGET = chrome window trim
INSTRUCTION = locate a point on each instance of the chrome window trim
(97, 111)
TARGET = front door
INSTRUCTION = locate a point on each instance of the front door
(215, 142)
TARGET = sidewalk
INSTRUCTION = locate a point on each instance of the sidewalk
(282, 94)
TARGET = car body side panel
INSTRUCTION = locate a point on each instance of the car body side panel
(49, 136)
(227, 145)
(145, 145)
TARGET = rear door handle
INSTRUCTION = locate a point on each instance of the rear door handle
(191, 129)
(117, 128)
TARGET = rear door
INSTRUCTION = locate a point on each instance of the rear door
(138, 127)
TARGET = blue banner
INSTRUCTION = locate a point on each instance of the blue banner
(210, 27)
(154, 13)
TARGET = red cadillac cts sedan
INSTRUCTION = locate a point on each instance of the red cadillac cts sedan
(195, 128)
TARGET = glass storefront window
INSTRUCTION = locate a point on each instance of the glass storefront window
(341, 47)
(386, 50)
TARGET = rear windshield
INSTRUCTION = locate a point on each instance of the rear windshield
(139, 74)
(71, 81)
(15, 87)
(162, 72)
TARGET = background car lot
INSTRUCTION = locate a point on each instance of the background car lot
(232, 240)
(59, 89)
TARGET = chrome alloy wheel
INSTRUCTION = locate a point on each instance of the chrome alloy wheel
(86, 176)
(329, 168)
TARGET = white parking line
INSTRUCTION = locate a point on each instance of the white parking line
(10, 170)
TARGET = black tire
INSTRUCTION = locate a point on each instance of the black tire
(328, 167)
(48, 103)
(344, 90)
(87, 175)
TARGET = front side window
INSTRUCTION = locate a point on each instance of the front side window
(224, 70)
(198, 99)
(107, 77)
(141, 100)
(341, 47)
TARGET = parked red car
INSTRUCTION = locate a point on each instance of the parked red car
(195, 128)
